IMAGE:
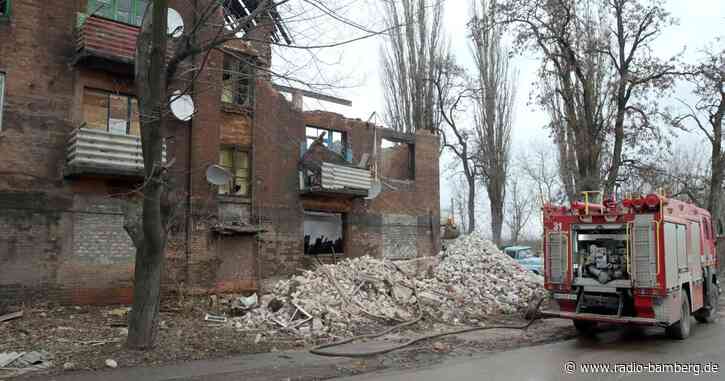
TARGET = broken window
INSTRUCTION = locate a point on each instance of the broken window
(111, 112)
(323, 233)
(4, 9)
(236, 161)
(2, 98)
(238, 81)
(334, 140)
(125, 11)
(397, 160)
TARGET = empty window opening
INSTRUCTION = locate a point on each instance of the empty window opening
(397, 160)
(4, 9)
(236, 161)
(323, 233)
(334, 140)
(125, 11)
(238, 81)
(111, 112)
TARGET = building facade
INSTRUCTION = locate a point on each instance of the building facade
(304, 184)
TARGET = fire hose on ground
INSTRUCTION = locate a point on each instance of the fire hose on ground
(531, 314)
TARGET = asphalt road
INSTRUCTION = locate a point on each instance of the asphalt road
(566, 360)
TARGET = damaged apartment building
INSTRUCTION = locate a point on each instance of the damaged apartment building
(304, 184)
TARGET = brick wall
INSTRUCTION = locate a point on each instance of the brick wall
(62, 239)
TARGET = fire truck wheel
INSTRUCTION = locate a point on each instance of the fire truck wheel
(681, 329)
(709, 313)
(584, 327)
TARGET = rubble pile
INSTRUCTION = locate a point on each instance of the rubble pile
(468, 282)
(474, 279)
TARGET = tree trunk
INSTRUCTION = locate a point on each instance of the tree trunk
(471, 203)
(151, 89)
(496, 199)
(717, 168)
(496, 222)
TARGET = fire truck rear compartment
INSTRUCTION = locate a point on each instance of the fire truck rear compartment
(600, 253)
(601, 270)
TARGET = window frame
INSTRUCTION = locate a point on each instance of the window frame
(3, 79)
(135, 13)
(237, 76)
(328, 138)
(129, 108)
(5, 13)
(233, 170)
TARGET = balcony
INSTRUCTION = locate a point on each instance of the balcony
(98, 152)
(106, 44)
(335, 180)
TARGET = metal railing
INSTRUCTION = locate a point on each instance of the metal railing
(88, 147)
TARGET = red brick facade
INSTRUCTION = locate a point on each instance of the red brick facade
(62, 237)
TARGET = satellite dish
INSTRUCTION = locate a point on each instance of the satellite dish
(375, 188)
(217, 175)
(182, 106)
(174, 24)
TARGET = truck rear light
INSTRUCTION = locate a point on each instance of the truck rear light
(643, 307)
(566, 305)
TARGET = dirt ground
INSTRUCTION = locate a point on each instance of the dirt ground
(83, 337)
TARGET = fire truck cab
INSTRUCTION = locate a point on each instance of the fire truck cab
(647, 260)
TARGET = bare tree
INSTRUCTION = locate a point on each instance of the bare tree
(165, 70)
(495, 94)
(409, 58)
(598, 68)
(539, 165)
(683, 174)
(519, 209)
(708, 81)
(453, 94)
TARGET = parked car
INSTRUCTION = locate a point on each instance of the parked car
(525, 256)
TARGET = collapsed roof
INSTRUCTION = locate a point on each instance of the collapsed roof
(243, 8)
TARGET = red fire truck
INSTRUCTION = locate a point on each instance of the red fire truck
(647, 260)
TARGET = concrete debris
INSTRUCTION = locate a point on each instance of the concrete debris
(23, 362)
(120, 312)
(8, 357)
(111, 363)
(473, 281)
(68, 366)
(247, 302)
(215, 318)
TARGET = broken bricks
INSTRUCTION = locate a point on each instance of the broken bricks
(473, 281)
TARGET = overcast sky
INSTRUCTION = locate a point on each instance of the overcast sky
(357, 64)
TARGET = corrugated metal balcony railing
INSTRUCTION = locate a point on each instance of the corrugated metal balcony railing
(93, 151)
(337, 179)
